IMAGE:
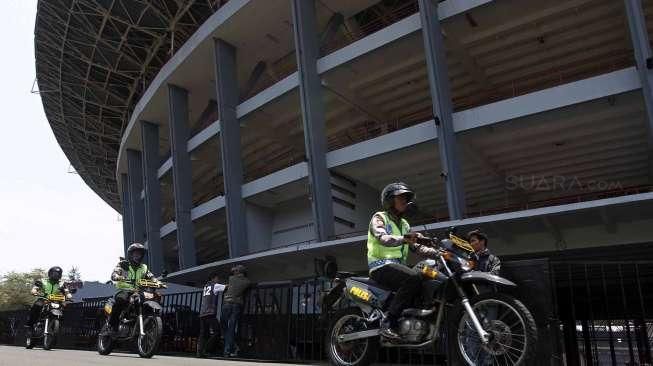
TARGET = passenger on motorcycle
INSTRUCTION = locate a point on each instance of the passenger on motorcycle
(388, 241)
(126, 274)
(42, 288)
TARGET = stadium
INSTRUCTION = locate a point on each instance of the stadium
(262, 132)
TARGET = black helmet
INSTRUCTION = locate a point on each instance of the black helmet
(136, 253)
(395, 189)
(55, 273)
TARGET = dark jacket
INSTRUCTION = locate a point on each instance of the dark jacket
(236, 288)
(488, 262)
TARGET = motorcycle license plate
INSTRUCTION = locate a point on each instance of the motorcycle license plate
(56, 297)
(360, 293)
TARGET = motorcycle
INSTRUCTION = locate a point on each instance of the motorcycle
(47, 326)
(140, 321)
(486, 324)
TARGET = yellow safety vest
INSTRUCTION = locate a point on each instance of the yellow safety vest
(377, 251)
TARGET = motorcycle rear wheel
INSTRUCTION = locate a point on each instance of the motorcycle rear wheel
(149, 343)
(355, 353)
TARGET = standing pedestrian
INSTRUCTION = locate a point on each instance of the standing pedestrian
(209, 325)
(232, 307)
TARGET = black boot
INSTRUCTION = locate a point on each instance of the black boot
(389, 329)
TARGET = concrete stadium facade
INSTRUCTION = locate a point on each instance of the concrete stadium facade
(266, 137)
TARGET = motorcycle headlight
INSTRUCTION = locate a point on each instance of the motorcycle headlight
(148, 295)
(55, 305)
(467, 265)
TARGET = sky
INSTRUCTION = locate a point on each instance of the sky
(48, 216)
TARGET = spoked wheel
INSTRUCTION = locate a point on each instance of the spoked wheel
(104, 341)
(512, 332)
(50, 338)
(359, 352)
(148, 343)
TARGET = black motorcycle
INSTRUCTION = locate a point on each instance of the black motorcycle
(47, 326)
(486, 326)
(139, 321)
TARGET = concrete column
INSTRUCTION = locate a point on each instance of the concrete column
(126, 212)
(644, 59)
(436, 63)
(310, 90)
(226, 86)
(181, 175)
(150, 143)
(135, 181)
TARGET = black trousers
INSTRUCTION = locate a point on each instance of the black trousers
(402, 279)
(209, 334)
(35, 311)
(121, 301)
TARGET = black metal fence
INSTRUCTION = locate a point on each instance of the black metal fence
(588, 313)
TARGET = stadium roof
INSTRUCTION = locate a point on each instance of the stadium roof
(94, 58)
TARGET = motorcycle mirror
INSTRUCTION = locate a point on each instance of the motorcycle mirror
(164, 273)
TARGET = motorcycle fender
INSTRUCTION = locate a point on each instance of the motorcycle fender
(332, 296)
(476, 276)
(56, 312)
(156, 308)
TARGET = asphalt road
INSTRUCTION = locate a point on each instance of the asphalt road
(19, 356)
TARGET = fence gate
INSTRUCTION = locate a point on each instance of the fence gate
(606, 312)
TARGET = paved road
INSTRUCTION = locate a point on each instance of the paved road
(19, 356)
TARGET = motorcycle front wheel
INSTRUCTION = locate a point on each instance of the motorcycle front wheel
(148, 343)
(104, 340)
(360, 352)
(50, 338)
(510, 325)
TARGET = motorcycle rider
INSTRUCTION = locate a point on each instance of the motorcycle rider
(126, 274)
(487, 262)
(43, 288)
(388, 241)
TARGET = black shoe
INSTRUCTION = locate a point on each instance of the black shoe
(388, 330)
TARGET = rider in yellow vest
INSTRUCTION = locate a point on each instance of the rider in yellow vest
(126, 274)
(388, 241)
(43, 288)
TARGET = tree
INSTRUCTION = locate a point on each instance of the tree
(15, 288)
(74, 275)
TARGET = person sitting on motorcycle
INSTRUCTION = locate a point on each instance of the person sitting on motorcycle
(487, 262)
(43, 288)
(388, 242)
(126, 275)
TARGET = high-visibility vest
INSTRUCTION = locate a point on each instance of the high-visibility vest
(133, 275)
(50, 288)
(377, 251)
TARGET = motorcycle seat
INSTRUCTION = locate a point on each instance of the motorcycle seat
(370, 282)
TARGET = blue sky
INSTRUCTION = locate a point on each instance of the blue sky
(47, 215)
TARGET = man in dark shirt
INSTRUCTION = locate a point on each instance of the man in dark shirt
(487, 262)
(232, 307)
(209, 325)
